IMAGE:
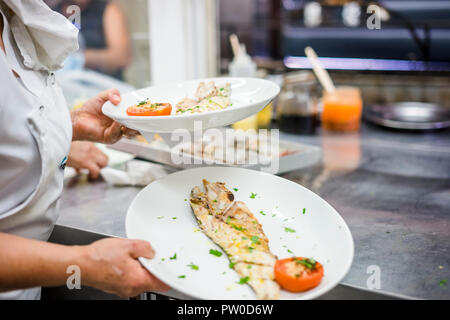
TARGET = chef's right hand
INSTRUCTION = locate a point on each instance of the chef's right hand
(111, 265)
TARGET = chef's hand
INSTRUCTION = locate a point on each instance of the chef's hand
(111, 265)
(89, 122)
(85, 155)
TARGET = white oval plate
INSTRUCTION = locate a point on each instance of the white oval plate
(160, 214)
(248, 96)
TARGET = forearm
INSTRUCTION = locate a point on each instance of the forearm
(106, 59)
(27, 263)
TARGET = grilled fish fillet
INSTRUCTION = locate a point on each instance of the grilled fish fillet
(232, 226)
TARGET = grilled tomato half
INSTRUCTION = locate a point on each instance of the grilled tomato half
(298, 274)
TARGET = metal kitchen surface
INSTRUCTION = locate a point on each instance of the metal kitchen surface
(392, 189)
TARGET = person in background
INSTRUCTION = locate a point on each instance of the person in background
(105, 33)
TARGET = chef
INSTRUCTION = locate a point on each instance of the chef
(36, 130)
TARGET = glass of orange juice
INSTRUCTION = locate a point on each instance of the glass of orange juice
(342, 109)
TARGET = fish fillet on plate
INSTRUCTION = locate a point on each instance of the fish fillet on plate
(232, 226)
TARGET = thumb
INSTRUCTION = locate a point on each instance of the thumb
(112, 95)
(141, 248)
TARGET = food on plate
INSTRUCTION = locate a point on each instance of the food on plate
(147, 108)
(298, 274)
(232, 226)
(208, 97)
(234, 148)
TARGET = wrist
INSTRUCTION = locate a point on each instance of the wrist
(85, 261)
(75, 125)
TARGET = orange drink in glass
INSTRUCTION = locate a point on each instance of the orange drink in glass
(342, 109)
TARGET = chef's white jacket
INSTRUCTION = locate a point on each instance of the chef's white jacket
(35, 125)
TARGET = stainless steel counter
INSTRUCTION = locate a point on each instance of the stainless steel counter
(392, 189)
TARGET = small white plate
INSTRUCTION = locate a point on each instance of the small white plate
(248, 96)
(161, 214)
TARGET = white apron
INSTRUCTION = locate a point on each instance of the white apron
(48, 121)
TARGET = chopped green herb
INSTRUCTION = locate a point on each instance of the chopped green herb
(185, 199)
(244, 238)
(244, 280)
(174, 257)
(193, 266)
(174, 218)
(304, 210)
(289, 229)
(249, 266)
(250, 249)
(221, 89)
(182, 276)
(215, 252)
(274, 215)
(253, 195)
(443, 283)
(232, 264)
(254, 222)
(288, 250)
(238, 228)
(235, 189)
(309, 263)
(215, 200)
(255, 239)
(162, 259)
(262, 212)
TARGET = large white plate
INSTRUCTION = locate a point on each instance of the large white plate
(161, 215)
(248, 96)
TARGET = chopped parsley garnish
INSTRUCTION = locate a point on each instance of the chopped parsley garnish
(253, 195)
(288, 250)
(221, 89)
(215, 252)
(235, 189)
(215, 200)
(244, 238)
(185, 199)
(309, 263)
(249, 266)
(250, 249)
(255, 239)
(238, 228)
(174, 257)
(443, 283)
(244, 280)
(262, 212)
(289, 229)
(274, 215)
(174, 218)
(193, 266)
(232, 264)
(182, 276)
(304, 210)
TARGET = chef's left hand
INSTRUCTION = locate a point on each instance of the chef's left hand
(89, 122)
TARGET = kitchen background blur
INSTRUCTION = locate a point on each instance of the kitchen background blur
(388, 177)
(406, 59)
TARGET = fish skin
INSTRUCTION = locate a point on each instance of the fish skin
(221, 220)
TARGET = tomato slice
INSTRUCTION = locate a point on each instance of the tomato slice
(150, 109)
(298, 274)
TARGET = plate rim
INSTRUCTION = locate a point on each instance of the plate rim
(311, 296)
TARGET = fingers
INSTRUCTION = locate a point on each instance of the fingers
(129, 133)
(112, 95)
(154, 284)
(94, 170)
(113, 133)
(141, 248)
